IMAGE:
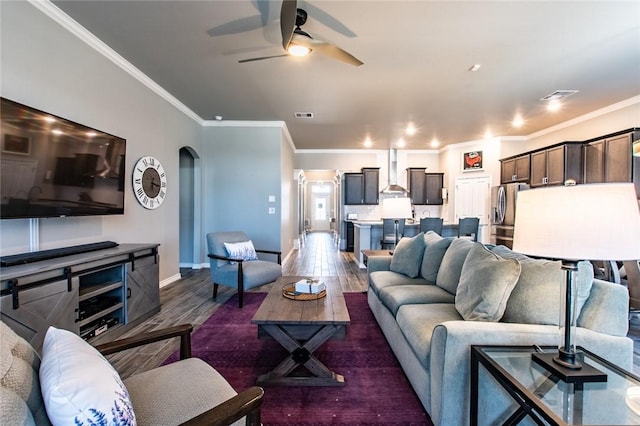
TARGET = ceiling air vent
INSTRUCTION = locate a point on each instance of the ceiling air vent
(559, 94)
(303, 114)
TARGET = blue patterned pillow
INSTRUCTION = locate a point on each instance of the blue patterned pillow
(243, 250)
(79, 386)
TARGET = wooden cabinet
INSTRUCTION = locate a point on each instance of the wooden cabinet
(371, 185)
(609, 159)
(353, 188)
(362, 188)
(84, 293)
(515, 169)
(556, 164)
(425, 188)
(417, 185)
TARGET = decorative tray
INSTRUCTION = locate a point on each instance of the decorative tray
(289, 291)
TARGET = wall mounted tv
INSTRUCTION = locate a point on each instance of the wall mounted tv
(53, 167)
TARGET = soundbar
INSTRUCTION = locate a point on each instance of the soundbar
(37, 256)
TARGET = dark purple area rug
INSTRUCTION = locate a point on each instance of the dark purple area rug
(376, 389)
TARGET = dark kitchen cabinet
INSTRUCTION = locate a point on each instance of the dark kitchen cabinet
(353, 188)
(425, 188)
(350, 236)
(515, 169)
(362, 188)
(371, 185)
(556, 164)
(609, 159)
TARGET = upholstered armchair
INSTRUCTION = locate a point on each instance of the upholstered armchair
(72, 383)
(234, 263)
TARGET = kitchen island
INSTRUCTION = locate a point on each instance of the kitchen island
(368, 233)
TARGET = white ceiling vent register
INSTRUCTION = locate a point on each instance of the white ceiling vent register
(303, 114)
(559, 94)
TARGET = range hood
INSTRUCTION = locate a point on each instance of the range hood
(393, 187)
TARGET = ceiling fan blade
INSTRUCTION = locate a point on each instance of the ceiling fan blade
(326, 49)
(288, 21)
(261, 58)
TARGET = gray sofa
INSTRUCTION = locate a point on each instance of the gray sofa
(435, 297)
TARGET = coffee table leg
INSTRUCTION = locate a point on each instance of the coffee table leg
(301, 354)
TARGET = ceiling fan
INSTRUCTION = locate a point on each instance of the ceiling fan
(298, 42)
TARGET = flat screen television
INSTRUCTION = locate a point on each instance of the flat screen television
(54, 167)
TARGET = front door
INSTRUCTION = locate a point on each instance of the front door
(320, 213)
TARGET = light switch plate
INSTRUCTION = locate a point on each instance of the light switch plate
(272, 210)
(272, 198)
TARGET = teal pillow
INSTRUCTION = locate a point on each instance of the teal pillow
(407, 257)
(435, 248)
(486, 282)
(451, 266)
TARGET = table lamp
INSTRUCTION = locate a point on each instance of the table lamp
(396, 209)
(573, 223)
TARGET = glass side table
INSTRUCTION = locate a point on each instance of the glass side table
(546, 398)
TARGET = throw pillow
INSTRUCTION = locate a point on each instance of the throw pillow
(485, 285)
(451, 265)
(407, 256)
(243, 250)
(537, 295)
(78, 384)
(433, 253)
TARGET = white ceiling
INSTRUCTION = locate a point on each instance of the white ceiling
(416, 58)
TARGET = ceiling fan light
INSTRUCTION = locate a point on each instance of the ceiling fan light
(297, 50)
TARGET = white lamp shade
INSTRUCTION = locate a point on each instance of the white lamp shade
(582, 222)
(396, 208)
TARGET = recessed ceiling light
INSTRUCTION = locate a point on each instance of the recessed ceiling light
(488, 134)
(401, 143)
(435, 143)
(368, 143)
(518, 121)
(554, 105)
(474, 67)
(410, 130)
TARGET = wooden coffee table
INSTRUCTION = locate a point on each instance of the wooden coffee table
(301, 327)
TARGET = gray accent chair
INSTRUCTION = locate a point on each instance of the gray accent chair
(188, 391)
(237, 273)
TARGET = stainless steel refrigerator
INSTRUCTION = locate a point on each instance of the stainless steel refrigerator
(503, 212)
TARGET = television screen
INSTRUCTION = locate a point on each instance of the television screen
(53, 167)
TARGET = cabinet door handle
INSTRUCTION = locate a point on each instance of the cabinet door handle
(128, 293)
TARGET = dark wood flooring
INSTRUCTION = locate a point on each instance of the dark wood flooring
(189, 300)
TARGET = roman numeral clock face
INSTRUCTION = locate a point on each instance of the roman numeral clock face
(149, 182)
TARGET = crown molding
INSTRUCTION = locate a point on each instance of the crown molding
(71, 25)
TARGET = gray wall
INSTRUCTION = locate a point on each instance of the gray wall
(242, 167)
(47, 67)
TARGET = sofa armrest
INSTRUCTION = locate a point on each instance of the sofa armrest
(378, 263)
(183, 331)
(451, 354)
(246, 403)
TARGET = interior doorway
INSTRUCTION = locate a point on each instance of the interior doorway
(189, 209)
(319, 206)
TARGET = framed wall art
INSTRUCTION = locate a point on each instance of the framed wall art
(14, 144)
(472, 161)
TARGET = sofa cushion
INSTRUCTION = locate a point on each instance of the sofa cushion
(434, 250)
(417, 323)
(536, 297)
(451, 266)
(395, 296)
(485, 285)
(78, 384)
(408, 255)
(382, 279)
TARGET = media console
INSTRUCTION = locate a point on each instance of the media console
(98, 294)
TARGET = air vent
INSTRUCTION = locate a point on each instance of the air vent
(303, 114)
(559, 94)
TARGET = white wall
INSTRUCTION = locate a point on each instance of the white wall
(47, 67)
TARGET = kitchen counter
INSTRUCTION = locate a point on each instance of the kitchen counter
(368, 233)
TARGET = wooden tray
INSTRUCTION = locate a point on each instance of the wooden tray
(289, 291)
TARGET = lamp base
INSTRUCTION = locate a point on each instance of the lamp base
(569, 374)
